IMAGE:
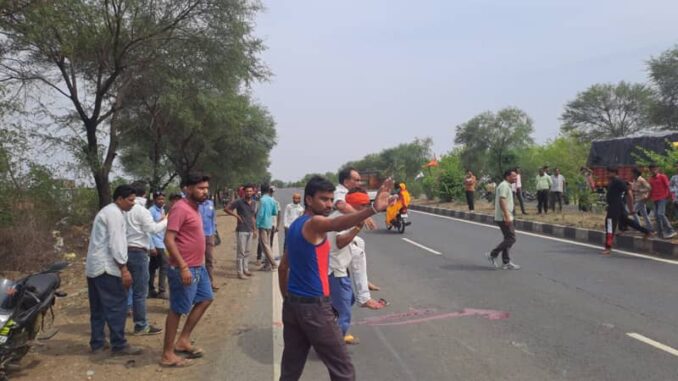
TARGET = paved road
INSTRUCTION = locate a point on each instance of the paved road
(566, 315)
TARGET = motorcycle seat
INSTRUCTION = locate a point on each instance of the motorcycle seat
(42, 284)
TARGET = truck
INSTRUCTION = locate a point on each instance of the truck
(623, 152)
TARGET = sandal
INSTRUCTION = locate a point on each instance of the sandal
(192, 353)
(351, 340)
(384, 302)
(183, 363)
(373, 305)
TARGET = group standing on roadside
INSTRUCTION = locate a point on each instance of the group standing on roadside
(129, 244)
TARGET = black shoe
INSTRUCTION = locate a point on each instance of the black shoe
(128, 350)
(148, 331)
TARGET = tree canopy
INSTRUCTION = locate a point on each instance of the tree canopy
(488, 140)
(102, 55)
(608, 111)
(664, 76)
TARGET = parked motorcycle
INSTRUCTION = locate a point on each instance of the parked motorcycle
(24, 306)
(400, 221)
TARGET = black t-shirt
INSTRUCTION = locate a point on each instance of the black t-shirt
(247, 212)
(616, 192)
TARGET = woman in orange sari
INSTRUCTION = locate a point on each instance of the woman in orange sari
(403, 201)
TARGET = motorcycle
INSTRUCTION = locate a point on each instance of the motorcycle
(24, 305)
(400, 221)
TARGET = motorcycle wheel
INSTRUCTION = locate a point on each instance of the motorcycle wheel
(401, 227)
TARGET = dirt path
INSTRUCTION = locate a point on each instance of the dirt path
(66, 356)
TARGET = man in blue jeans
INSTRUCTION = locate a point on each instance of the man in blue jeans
(107, 275)
(190, 288)
(140, 227)
(660, 195)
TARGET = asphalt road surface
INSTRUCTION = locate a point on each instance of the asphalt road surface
(568, 314)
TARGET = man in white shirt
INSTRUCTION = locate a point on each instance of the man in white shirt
(557, 190)
(140, 227)
(349, 178)
(107, 275)
(343, 245)
(292, 211)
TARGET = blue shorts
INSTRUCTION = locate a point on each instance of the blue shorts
(182, 298)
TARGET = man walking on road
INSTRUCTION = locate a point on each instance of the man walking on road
(308, 318)
(267, 211)
(617, 194)
(107, 275)
(543, 186)
(293, 211)
(503, 216)
(245, 230)
(661, 195)
(209, 226)
(140, 227)
(190, 288)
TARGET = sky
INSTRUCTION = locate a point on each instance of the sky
(354, 77)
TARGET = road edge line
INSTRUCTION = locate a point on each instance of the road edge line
(653, 343)
(422, 246)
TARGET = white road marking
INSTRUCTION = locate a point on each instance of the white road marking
(653, 343)
(637, 255)
(422, 246)
(277, 326)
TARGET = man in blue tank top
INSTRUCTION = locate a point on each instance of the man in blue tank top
(308, 317)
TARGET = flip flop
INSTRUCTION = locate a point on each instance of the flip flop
(384, 302)
(351, 340)
(193, 353)
(375, 305)
(183, 363)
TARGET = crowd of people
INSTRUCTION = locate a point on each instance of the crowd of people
(627, 200)
(141, 248)
(129, 244)
(323, 269)
(550, 189)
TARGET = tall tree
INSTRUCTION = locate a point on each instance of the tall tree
(664, 75)
(91, 52)
(608, 111)
(489, 139)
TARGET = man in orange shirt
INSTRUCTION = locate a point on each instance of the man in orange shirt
(470, 182)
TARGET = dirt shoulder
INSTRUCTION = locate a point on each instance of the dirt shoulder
(66, 356)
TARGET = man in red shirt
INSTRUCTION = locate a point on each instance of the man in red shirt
(189, 283)
(660, 196)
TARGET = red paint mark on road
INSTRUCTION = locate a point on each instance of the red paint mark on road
(414, 316)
